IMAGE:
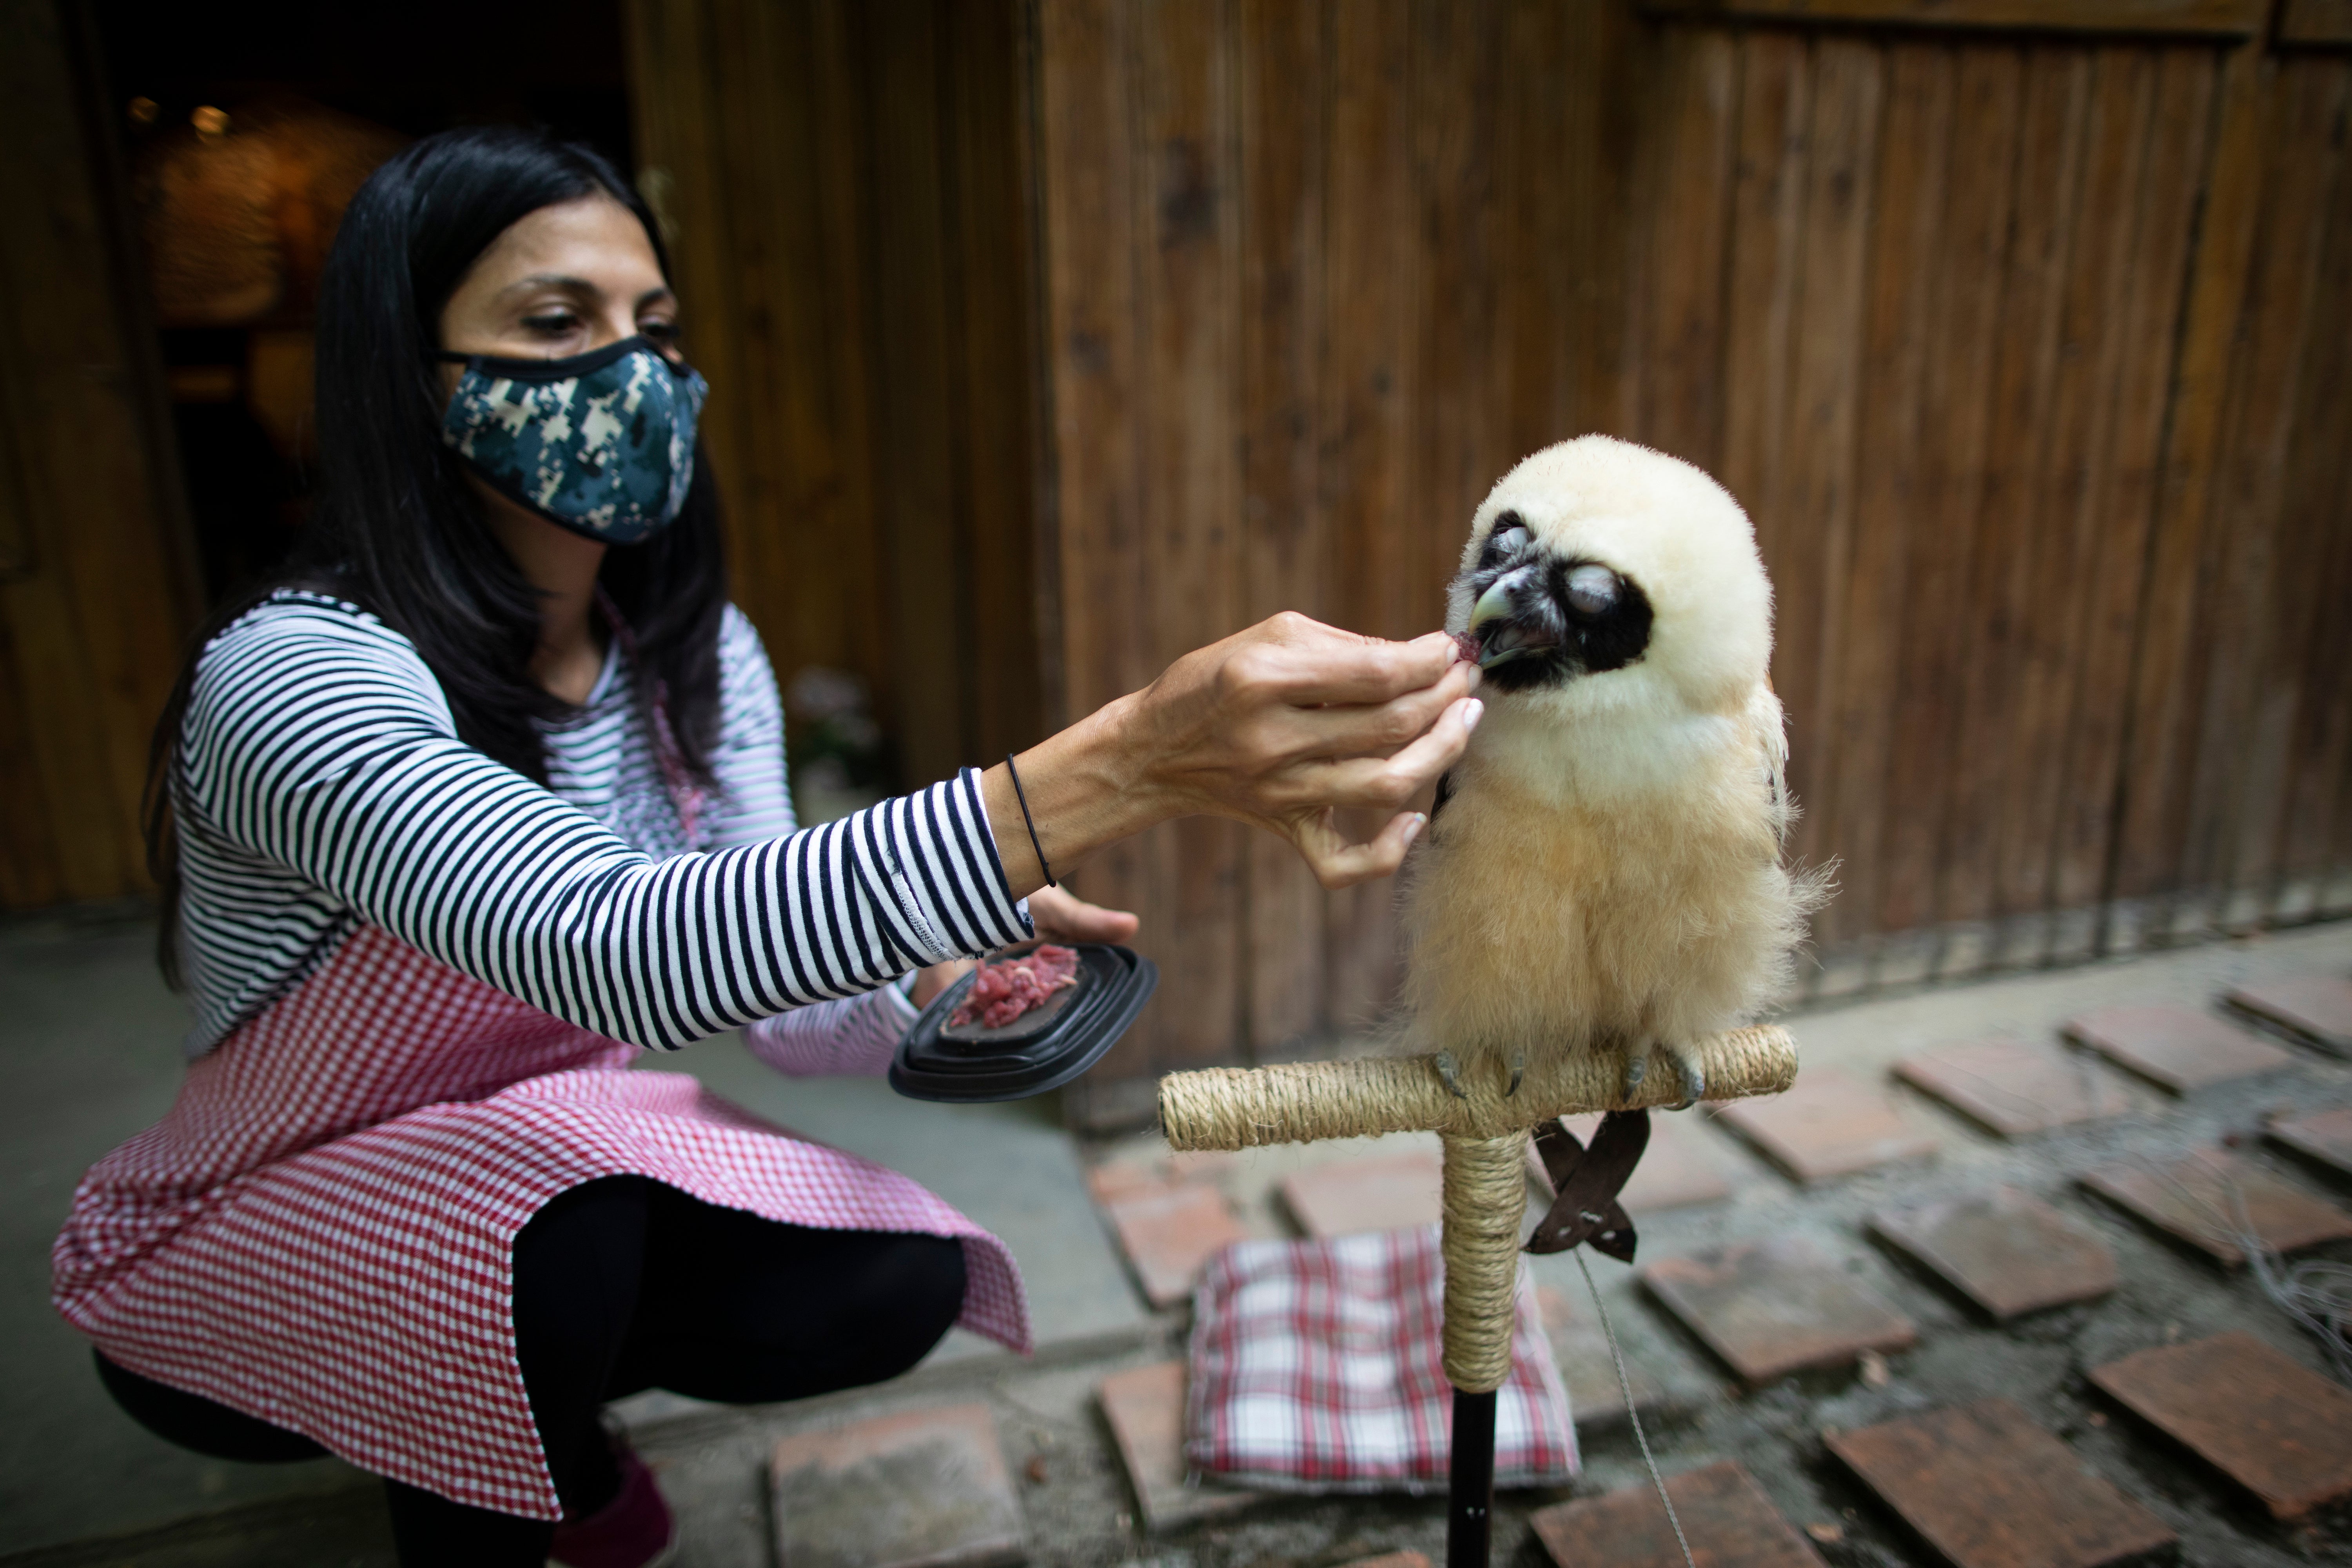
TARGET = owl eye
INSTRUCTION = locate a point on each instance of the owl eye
(1592, 590)
(1509, 538)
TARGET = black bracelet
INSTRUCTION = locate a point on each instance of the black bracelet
(1019, 795)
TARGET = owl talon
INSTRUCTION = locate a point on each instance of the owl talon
(1637, 1067)
(1451, 1071)
(1688, 1076)
(1519, 1071)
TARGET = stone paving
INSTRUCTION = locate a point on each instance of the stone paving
(2029, 1366)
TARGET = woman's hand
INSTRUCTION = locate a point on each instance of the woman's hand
(1280, 725)
(930, 981)
(1060, 917)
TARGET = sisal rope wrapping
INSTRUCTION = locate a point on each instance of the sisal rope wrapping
(1485, 1138)
(1485, 1200)
(1306, 1102)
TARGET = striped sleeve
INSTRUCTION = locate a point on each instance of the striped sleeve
(318, 742)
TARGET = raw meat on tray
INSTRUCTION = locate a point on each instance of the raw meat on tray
(1007, 989)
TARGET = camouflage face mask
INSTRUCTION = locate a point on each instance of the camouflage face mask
(602, 443)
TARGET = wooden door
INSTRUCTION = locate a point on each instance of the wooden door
(97, 584)
(2020, 328)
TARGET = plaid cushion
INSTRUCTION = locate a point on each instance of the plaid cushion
(1316, 1367)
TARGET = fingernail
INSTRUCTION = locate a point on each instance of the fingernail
(1477, 677)
(1472, 714)
(1412, 829)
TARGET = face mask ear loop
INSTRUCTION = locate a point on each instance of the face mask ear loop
(687, 795)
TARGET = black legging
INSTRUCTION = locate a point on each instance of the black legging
(623, 1284)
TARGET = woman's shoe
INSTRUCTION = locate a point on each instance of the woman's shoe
(634, 1530)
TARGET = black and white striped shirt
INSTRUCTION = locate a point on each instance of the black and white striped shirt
(322, 784)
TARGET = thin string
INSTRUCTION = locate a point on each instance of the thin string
(1625, 1386)
(1021, 795)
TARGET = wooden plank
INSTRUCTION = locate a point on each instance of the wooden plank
(2253, 692)
(1680, 358)
(2163, 736)
(1825, 401)
(2222, 18)
(719, 151)
(1369, 379)
(2151, 280)
(1765, 276)
(29, 874)
(2319, 496)
(2320, 22)
(845, 560)
(1540, 226)
(997, 389)
(666, 46)
(926, 539)
(1187, 221)
(1955, 433)
(2073, 510)
(2025, 370)
(1603, 138)
(1457, 70)
(778, 164)
(1914, 156)
(1086, 165)
(95, 620)
(1286, 548)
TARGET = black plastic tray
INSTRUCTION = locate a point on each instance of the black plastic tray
(1034, 1054)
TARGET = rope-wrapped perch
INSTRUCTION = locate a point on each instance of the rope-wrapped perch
(1485, 1138)
(1485, 1201)
(1306, 1102)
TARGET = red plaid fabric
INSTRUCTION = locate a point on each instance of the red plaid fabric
(1317, 1367)
(320, 1233)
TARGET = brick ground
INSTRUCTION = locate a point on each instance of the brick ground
(1988, 1489)
(2278, 1429)
(2004, 1250)
(1831, 1124)
(2015, 1086)
(1145, 1409)
(2178, 1047)
(1596, 1400)
(1771, 1308)
(2313, 1008)
(1169, 1230)
(1725, 1516)
(1079, 1512)
(1379, 1192)
(2204, 1198)
(927, 1488)
(2324, 1137)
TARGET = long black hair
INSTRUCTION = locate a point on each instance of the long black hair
(393, 527)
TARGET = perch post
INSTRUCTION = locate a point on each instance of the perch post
(1485, 1135)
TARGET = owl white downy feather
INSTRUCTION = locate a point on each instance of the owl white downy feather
(1604, 871)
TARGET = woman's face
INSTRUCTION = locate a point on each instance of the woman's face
(563, 280)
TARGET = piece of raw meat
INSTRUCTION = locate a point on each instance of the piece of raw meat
(1007, 988)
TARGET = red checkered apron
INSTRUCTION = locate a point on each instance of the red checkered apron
(320, 1233)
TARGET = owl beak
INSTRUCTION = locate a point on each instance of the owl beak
(1496, 621)
(1494, 603)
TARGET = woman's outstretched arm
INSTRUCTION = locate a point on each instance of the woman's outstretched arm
(318, 745)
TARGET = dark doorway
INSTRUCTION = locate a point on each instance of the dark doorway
(245, 131)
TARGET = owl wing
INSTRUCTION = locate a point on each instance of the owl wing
(1770, 728)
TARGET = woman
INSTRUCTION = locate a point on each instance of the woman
(486, 793)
